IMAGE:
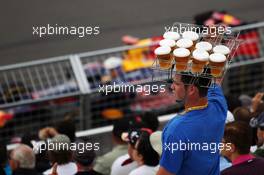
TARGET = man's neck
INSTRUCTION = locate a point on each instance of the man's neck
(84, 168)
(200, 102)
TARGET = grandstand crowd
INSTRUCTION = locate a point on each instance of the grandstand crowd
(138, 147)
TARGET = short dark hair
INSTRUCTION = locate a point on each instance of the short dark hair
(61, 157)
(242, 114)
(201, 82)
(239, 134)
(86, 157)
(144, 148)
(67, 127)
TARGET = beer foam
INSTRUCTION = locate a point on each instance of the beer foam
(221, 49)
(204, 46)
(190, 35)
(181, 52)
(171, 35)
(162, 50)
(167, 42)
(184, 43)
(217, 58)
(200, 55)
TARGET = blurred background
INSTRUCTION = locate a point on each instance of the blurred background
(36, 92)
(142, 19)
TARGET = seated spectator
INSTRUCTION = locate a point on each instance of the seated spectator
(84, 161)
(125, 163)
(237, 139)
(61, 155)
(242, 114)
(259, 124)
(145, 156)
(103, 163)
(22, 161)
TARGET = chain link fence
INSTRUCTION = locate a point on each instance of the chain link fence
(41, 93)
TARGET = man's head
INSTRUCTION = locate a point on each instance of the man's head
(84, 158)
(67, 127)
(237, 138)
(187, 87)
(242, 114)
(22, 157)
(61, 152)
(124, 125)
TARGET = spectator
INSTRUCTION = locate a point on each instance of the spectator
(125, 163)
(103, 163)
(84, 161)
(242, 114)
(61, 155)
(259, 124)
(145, 156)
(22, 161)
(237, 139)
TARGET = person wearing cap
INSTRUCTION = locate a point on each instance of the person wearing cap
(143, 153)
(103, 163)
(237, 141)
(61, 156)
(124, 164)
(202, 121)
(84, 160)
(259, 124)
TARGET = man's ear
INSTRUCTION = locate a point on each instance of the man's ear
(233, 148)
(262, 134)
(193, 90)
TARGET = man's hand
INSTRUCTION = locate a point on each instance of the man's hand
(54, 169)
(256, 101)
(163, 171)
(47, 133)
(219, 81)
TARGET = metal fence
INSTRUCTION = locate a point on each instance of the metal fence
(41, 93)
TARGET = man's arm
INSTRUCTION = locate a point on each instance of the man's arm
(216, 90)
(163, 171)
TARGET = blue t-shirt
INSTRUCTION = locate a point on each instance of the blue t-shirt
(190, 141)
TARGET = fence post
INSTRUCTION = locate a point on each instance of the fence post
(84, 86)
